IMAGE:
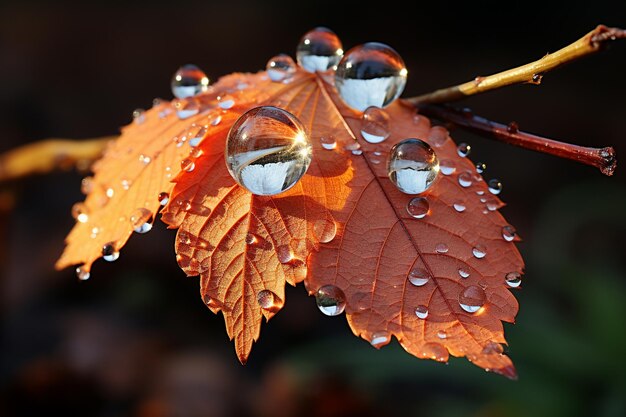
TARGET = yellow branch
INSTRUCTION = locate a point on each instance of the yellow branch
(50, 154)
(530, 73)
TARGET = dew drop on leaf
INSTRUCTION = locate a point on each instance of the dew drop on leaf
(463, 149)
(267, 151)
(465, 179)
(110, 252)
(163, 198)
(140, 220)
(82, 273)
(419, 276)
(441, 248)
(330, 300)
(441, 334)
(479, 251)
(328, 142)
(319, 50)
(418, 207)
(380, 339)
(80, 212)
(375, 125)
(189, 81)
(372, 74)
(459, 206)
(268, 300)
(280, 68)
(325, 230)
(413, 166)
(513, 279)
(421, 311)
(495, 186)
(472, 298)
(87, 185)
(447, 167)
(284, 254)
(493, 348)
(225, 101)
(463, 273)
(251, 239)
(435, 351)
(139, 116)
(481, 167)
(437, 136)
(508, 233)
(187, 165)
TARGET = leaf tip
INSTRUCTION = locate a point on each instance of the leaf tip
(508, 371)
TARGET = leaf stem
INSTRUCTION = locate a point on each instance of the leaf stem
(50, 154)
(531, 73)
(601, 158)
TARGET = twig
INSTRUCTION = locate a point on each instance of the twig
(601, 158)
(50, 154)
(531, 73)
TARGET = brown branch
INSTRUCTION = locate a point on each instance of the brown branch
(601, 158)
(531, 73)
(50, 154)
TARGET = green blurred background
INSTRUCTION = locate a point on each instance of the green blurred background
(136, 340)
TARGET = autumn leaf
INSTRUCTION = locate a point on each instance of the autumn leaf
(431, 270)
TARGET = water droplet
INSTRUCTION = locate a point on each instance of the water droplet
(495, 186)
(225, 101)
(413, 166)
(508, 233)
(330, 300)
(280, 68)
(251, 239)
(268, 300)
(479, 251)
(110, 192)
(94, 232)
(126, 184)
(109, 252)
(80, 212)
(492, 205)
(481, 167)
(463, 273)
(437, 136)
(189, 81)
(86, 185)
(82, 273)
(375, 125)
(195, 153)
(512, 127)
(463, 149)
(441, 334)
(163, 198)
(447, 167)
(319, 50)
(139, 116)
(441, 248)
(435, 351)
(472, 298)
(184, 238)
(185, 110)
(465, 179)
(284, 253)
(493, 348)
(372, 74)
(380, 339)
(196, 138)
(419, 276)
(513, 279)
(267, 150)
(421, 312)
(537, 78)
(325, 230)
(459, 206)
(480, 192)
(187, 165)
(216, 120)
(145, 159)
(418, 207)
(328, 142)
(140, 220)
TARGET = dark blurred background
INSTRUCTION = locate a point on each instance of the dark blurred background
(136, 340)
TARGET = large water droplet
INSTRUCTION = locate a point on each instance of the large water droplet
(281, 67)
(268, 300)
(267, 150)
(80, 212)
(472, 298)
(418, 207)
(330, 300)
(465, 179)
(419, 276)
(375, 125)
(189, 81)
(437, 136)
(380, 339)
(447, 167)
(325, 230)
(110, 252)
(508, 233)
(463, 149)
(413, 166)
(319, 49)
(513, 279)
(479, 251)
(140, 220)
(82, 273)
(421, 312)
(372, 74)
(441, 248)
(495, 186)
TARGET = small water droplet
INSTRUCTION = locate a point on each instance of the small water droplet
(441, 248)
(435, 351)
(82, 273)
(419, 276)
(375, 125)
(189, 81)
(126, 184)
(163, 198)
(145, 159)
(472, 298)
(512, 127)
(87, 185)
(139, 116)
(447, 167)
(140, 220)
(328, 142)
(187, 165)
(479, 251)
(109, 252)
(319, 50)
(225, 101)
(463, 149)
(463, 273)
(508, 233)
(465, 179)
(325, 230)
(537, 78)
(267, 150)
(216, 120)
(380, 339)
(421, 312)
(197, 136)
(495, 186)
(418, 207)
(441, 334)
(267, 300)
(480, 192)
(251, 239)
(513, 279)
(186, 109)
(280, 68)
(492, 205)
(330, 300)
(413, 166)
(80, 212)
(493, 348)
(459, 206)
(94, 232)
(195, 153)
(372, 74)
(481, 167)
(284, 253)
(437, 136)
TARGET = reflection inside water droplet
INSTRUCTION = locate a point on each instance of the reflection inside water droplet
(413, 166)
(375, 125)
(472, 298)
(330, 300)
(319, 50)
